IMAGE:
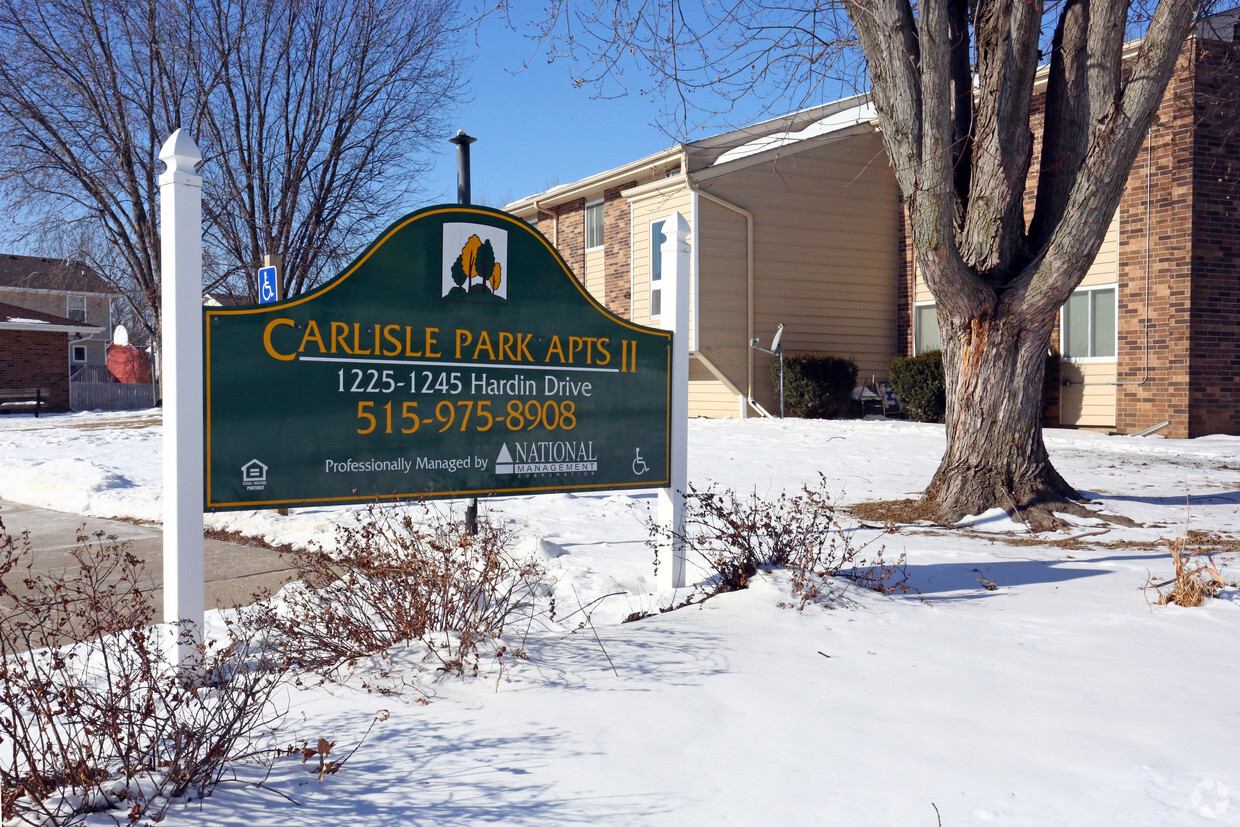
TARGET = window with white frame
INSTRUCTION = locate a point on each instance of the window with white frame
(75, 307)
(657, 237)
(926, 327)
(77, 354)
(1087, 325)
(594, 224)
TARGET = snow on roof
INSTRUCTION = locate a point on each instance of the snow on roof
(835, 122)
(14, 316)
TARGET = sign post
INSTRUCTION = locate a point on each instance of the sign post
(180, 195)
(675, 264)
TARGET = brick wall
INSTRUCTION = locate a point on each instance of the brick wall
(904, 283)
(1215, 347)
(617, 255)
(565, 225)
(570, 234)
(34, 359)
(1155, 246)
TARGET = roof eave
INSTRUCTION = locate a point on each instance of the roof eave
(565, 193)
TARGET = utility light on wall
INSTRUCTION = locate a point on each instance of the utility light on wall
(775, 350)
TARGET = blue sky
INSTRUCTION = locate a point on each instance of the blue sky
(534, 129)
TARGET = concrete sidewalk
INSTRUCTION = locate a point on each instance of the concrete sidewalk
(233, 572)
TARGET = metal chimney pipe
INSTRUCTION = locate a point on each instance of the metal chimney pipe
(462, 142)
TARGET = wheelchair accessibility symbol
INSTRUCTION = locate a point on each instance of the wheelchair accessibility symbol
(266, 285)
(639, 465)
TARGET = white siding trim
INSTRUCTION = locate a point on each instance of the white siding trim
(694, 270)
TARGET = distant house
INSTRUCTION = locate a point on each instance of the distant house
(66, 290)
(33, 344)
(798, 221)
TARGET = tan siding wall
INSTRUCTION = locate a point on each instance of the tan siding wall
(593, 276)
(723, 286)
(921, 293)
(1088, 404)
(825, 252)
(1105, 269)
(707, 395)
(1093, 404)
(652, 207)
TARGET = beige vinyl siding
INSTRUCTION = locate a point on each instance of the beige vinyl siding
(921, 291)
(593, 277)
(824, 253)
(654, 206)
(1090, 400)
(1105, 269)
(1087, 402)
(723, 296)
(707, 395)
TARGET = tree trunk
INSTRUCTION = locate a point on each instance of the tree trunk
(995, 364)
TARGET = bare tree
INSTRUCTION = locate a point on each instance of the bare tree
(953, 85)
(310, 114)
(313, 122)
(88, 91)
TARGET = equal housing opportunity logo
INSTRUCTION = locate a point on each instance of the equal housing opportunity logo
(254, 475)
(546, 458)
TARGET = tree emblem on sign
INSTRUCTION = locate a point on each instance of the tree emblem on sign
(476, 273)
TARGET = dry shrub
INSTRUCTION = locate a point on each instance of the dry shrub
(737, 537)
(1196, 576)
(91, 718)
(406, 574)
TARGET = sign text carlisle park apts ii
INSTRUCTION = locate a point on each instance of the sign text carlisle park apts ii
(456, 356)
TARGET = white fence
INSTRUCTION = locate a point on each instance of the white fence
(110, 396)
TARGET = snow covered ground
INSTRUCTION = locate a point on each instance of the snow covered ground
(1061, 697)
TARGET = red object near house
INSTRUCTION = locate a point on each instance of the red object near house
(129, 365)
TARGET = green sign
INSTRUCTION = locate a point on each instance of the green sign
(456, 356)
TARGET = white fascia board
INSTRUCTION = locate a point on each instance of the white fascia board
(48, 327)
(782, 151)
(600, 181)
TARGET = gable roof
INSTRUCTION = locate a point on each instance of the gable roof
(51, 274)
(726, 151)
(13, 317)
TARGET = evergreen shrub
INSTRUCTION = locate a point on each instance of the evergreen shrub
(816, 385)
(920, 386)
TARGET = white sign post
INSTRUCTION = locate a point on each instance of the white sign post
(675, 265)
(180, 196)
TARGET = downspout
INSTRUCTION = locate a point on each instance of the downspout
(693, 187)
(555, 223)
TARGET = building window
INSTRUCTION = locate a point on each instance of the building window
(1087, 326)
(594, 224)
(75, 307)
(657, 237)
(925, 328)
(77, 354)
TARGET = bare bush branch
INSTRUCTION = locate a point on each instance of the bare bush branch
(90, 716)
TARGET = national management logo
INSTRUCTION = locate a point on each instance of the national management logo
(546, 458)
(475, 263)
